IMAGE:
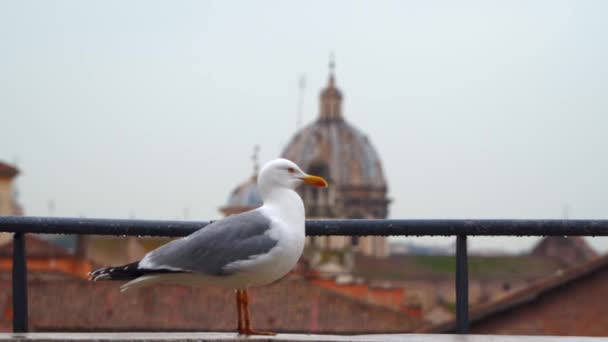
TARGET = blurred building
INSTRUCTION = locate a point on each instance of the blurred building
(45, 256)
(429, 279)
(570, 250)
(336, 150)
(246, 195)
(243, 198)
(570, 302)
(8, 194)
(8, 191)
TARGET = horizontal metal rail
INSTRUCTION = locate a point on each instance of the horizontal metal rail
(344, 227)
(20, 225)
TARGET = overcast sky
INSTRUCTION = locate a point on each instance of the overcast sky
(148, 109)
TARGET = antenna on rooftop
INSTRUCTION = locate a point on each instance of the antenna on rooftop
(51, 207)
(301, 88)
(255, 157)
(566, 211)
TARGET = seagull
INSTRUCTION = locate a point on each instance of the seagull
(249, 249)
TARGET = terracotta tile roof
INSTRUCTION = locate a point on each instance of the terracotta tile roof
(35, 247)
(390, 297)
(525, 296)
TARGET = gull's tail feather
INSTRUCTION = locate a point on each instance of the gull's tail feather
(124, 272)
(130, 271)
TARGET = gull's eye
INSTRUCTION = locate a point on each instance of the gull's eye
(291, 170)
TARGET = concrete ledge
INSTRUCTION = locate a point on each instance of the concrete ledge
(211, 337)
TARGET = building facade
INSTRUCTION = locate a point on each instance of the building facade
(8, 200)
(569, 250)
(8, 194)
(568, 303)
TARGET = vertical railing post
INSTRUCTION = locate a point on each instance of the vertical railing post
(462, 286)
(19, 284)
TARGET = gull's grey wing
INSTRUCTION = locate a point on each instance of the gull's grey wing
(210, 249)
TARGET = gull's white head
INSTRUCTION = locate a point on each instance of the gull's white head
(283, 173)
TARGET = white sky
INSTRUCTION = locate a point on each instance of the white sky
(479, 109)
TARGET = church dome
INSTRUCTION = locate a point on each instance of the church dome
(245, 194)
(338, 150)
(334, 148)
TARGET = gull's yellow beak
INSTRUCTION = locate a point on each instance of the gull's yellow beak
(316, 181)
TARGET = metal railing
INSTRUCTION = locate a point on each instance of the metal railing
(20, 225)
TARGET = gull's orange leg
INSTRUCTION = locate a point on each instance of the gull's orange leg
(239, 310)
(248, 330)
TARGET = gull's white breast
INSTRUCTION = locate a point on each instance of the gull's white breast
(288, 229)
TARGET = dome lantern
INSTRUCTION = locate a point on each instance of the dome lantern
(330, 98)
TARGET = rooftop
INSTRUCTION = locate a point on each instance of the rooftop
(540, 292)
(408, 267)
(36, 248)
